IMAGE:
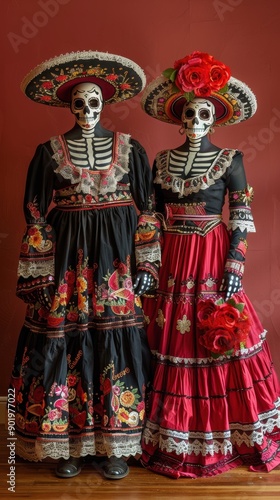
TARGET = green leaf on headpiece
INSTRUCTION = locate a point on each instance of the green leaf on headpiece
(189, 96)
(224, 89)
(170, 73)
(175, 89)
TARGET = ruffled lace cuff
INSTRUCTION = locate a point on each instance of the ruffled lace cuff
(148, 244)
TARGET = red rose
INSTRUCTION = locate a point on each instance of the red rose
(219, 340)
(205, 308)
(203, 91)
(72, 379)
(226, 316)
(193, 59)
(189, 77)
(219, 76)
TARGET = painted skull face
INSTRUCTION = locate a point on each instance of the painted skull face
(87, 104)
(198, 116)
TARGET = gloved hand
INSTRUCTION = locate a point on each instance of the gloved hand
(143, 282)
(231, 283)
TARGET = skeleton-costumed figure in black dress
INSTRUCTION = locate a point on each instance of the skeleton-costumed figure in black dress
(82, 361)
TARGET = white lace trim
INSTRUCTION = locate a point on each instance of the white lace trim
(118, 446)
(209, 443)
(242, 225)
(97, 182)
(35, 268)
(206, 361)
(193, 185)
(241, 218)
(148, 254)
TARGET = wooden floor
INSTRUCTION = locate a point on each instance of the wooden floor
(37, 481)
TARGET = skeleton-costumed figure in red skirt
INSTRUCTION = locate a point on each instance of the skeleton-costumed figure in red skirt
(214, 400)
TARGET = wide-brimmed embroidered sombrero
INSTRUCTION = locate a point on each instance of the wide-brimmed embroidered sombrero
(199, 75)
(51, 82)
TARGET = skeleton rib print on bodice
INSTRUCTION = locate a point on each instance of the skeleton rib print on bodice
(191, 163)
(91, 152)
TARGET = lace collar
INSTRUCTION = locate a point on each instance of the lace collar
(194, 184)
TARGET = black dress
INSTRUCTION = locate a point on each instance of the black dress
(82, 366)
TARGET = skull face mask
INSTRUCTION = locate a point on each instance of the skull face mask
(198, 116)
(87, 104)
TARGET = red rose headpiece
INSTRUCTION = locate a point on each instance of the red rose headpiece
(199, 75)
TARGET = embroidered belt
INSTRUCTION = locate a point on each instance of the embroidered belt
(93, 206)
(190, 219)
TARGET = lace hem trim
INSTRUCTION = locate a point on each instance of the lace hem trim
(209, 443)
(120, 446)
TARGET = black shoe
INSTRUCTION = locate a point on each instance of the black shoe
(115, 468)
(69, 468)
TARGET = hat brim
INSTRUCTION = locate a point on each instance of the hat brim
(162, 102)
(52, 81)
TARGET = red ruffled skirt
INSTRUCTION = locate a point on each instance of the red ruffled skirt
(207, 412)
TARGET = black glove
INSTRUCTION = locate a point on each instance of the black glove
(231, 283)
(143, 282)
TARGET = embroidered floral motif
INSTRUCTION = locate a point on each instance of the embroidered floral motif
(127, 404)
(183, 325)
(171, 281)
(77, 285)
(160, 320)
(37, 238)
(33, 208)
(245, 195)
(116, 291)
